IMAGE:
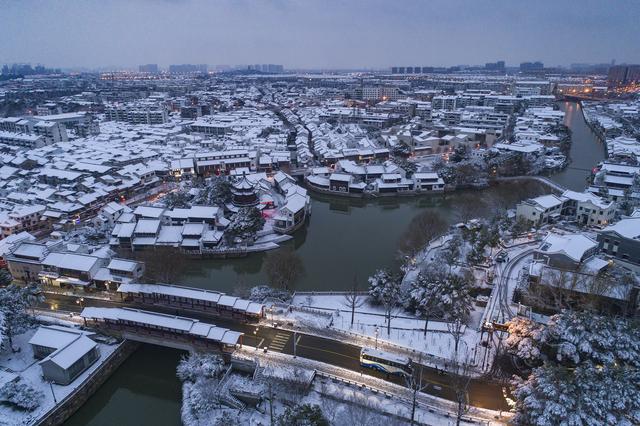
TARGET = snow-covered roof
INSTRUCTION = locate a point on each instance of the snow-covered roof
(147, 226)
(71, 261)
(547, 201)
(55, 336)
(171, 322)
(123, 265)
(587, 197)
(192, 293)
(627, 228)
(575, 246)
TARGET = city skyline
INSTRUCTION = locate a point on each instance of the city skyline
(315, 35)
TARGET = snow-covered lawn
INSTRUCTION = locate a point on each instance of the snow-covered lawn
(23, 364)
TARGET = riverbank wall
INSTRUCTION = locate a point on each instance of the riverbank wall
(371, 195)
(65, 408)
(541, 179)
(596, 130)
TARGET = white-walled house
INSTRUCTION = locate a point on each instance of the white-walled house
(64, 352)
(540, 210)
(588, 209)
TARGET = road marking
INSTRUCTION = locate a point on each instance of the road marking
(279, 341)
(331, 352)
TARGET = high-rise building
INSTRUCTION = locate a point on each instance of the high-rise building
(495, 66)
(266, 68)
(621, 75)
(187, 69)
(531, 66)
(150, 68)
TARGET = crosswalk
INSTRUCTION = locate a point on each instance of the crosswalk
(279, 341)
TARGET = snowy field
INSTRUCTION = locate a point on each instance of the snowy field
(23, 364)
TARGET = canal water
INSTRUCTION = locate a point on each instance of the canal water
(586, 149)
(143, 391)
(345, 238)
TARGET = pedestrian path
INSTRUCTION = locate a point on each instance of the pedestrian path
(279, 341)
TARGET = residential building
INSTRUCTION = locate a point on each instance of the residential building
(64, 352)
(622, 240)
(540, 210)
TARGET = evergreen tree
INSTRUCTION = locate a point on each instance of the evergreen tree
(303, 415)
(14, 302)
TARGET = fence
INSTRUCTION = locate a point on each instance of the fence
(65, 408)
(401, 399)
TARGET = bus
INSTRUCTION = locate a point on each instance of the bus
(385, 362)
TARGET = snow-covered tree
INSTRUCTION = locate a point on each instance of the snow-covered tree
(409, 167)
(590, 373)
(245, 224)
(217, 191)
(177, 199)
(22, 395)
(525, 337)
(199, 365)
(384, 288)
(303, 415)
(446, 297)
(590, 394)
(450, 254)
(581, 336)
(14, 303)
(5, 277)
(263, 293)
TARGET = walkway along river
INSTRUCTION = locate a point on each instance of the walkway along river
(345, 238)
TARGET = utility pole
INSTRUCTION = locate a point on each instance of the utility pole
(417, 386)
(271, 403)
(295, 335)
(55, 401)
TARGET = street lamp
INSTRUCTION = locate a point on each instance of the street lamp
(55, 401)
(80, 302)
(377, 336)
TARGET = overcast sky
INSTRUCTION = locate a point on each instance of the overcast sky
(318, 34)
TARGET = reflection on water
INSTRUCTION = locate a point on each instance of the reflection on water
(586, 149)
(143, 391)
(344, 238)
(352, 237)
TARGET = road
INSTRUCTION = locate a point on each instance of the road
(481, 393)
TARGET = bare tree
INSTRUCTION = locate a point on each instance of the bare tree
(460, 381)
(415, 384)
(283, 268)
(353, 299)
(422, 229)
(456, 329)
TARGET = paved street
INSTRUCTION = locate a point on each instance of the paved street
(482, 394)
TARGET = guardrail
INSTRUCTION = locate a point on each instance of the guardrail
(51, 417)
(402, 399)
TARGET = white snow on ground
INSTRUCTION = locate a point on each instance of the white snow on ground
(323, 311)
(345, 397)
(26, 366)
(372, 392)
